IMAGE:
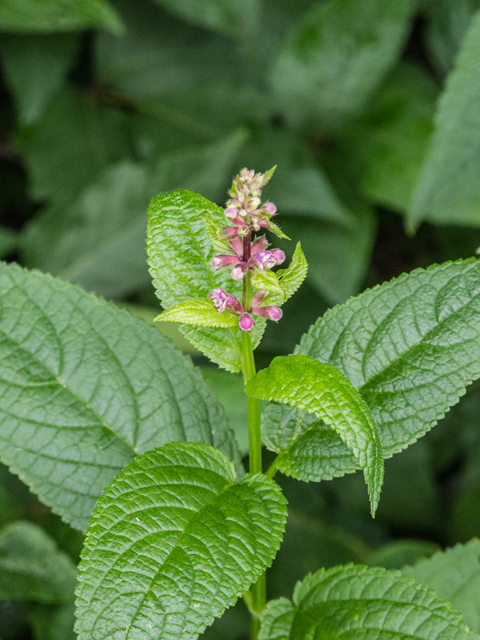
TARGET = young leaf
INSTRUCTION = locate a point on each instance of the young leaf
(31, 566)
(357, 602)
(173, 542)
(320, 388)
(455, 574)
(386, 339)
(85, 387)
(199, 312)
(180, 256)
(448, 188)
(337, 56)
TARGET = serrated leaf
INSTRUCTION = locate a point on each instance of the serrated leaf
(336, 57)
(27, 16)
(173, 542)
(358, 602)
(320, 388)
(180, 255)
(455, 574)
(199, 312)
(85, 387)
(35, 67)
(447, 191)
(386, 339)
(31, 566)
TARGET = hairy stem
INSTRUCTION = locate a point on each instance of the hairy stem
(258, 590)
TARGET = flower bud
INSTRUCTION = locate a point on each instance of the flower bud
(259, 297)
(265, 260)
(231, 212)
(273, 312)
(246, 321)
(270, 207)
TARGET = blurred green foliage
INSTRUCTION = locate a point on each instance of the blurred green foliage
(370, 109)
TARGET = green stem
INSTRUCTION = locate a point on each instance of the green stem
(258, 590)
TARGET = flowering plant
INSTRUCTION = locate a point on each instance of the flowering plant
(99, 406)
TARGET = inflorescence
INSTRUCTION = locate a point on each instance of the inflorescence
(247, 213)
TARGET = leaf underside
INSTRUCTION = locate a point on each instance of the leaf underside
(359, 603)
(409, 346)
(85, 387)
(172, 542)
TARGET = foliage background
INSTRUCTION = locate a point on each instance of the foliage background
(374, 122)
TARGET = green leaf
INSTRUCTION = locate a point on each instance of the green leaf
(320, 388)
(85, 387)
(455, 574)
(173, 542)
(227, 16)
(27, 16)
(386, 339)
(199, 312)
(448, 188)
(336, 57)
(358, 602)
(180, 254)
(31, 566)
(35, 67)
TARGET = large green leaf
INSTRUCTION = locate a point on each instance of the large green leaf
(410, 347)
(361, 603)
(455, 574)
(173, 542)
(320, 388)
(448, 189)
(31, 566)
(227, 16)
(31, 16)
(35, 67)
(85, 387)
(336, 57)
(179, 254)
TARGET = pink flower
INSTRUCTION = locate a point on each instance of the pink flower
(246, 321)
(268, 259)
(273, 312)
(222, 300)
(270, 207)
